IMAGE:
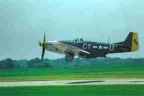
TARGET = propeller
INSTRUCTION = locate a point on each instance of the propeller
(43, 45)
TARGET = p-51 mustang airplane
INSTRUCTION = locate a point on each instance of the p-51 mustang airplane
(88, 49)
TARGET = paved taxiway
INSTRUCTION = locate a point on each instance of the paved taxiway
(73, 82)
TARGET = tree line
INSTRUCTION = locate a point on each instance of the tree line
(46, 63)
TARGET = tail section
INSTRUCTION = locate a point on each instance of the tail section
(132, 41)
(130, 44)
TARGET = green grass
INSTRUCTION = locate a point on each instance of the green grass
(106, 90)
(76, 73)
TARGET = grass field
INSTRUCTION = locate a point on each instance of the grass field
(109, 90)
(81, 69)
(76, 73)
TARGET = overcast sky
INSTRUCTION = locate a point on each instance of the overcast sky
(22, 23)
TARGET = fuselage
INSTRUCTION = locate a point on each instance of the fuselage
(96, 49)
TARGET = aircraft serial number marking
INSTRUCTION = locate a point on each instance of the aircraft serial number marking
(89, 46)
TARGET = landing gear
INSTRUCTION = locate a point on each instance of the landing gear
(69, 56)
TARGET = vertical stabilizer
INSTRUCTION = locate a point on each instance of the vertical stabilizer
(135, 42)
(132, 41)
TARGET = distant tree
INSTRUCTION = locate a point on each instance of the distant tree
(36, 63)
(7, 64)
(21, 64)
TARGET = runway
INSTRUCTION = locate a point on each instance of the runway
(73, 82)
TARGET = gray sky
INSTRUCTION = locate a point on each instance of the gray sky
(22, 23)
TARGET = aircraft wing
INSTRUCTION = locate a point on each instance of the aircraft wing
(62, 48)
(84, 51)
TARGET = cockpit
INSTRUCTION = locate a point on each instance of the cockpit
(78, 40)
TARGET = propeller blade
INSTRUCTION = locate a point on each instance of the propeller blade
(43, 53)
(44, 41)
(43, 47)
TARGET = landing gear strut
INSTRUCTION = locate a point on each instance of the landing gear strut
(69, 56)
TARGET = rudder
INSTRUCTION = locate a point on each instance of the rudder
(132, 41)
(135, 42)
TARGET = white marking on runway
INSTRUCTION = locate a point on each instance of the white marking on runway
(73, 82)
